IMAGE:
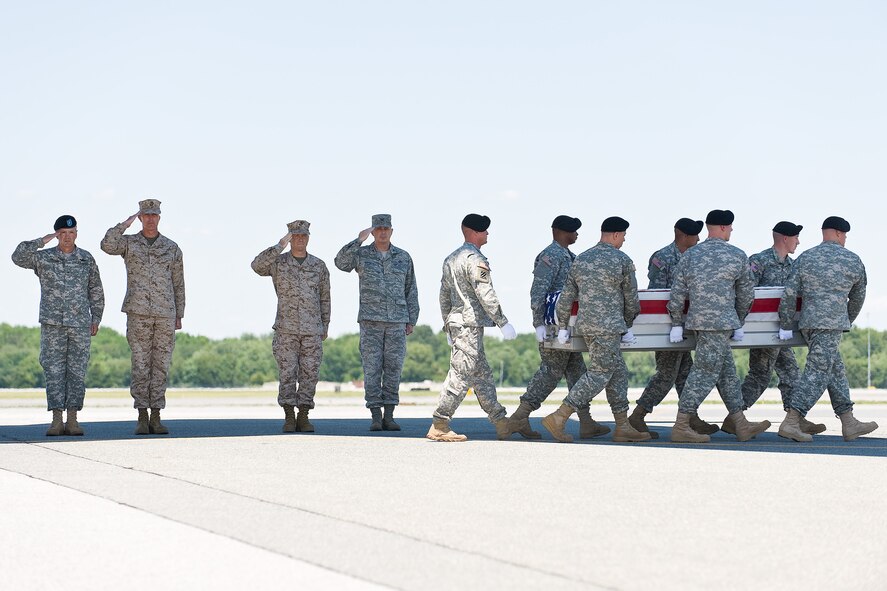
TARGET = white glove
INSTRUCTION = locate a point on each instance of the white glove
(540, 333)
(785, 335)
(738, 334)
(563, 336)
(449, 340)
(629, 337)
(508, 332)
(677, 334)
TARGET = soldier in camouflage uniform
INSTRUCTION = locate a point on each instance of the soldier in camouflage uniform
(772, 267)
(468, 303)
(714, 276)
(549, 273)
(831, 282)
(603, 280)
(71, 304)
(672, 367)
(302, 284)
(389, 309)
(154, 305)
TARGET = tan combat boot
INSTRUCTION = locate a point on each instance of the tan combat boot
(728, 426)
(440, 431)
(142, 424)
(388, 423)
(682, 433)
(625, 432)
(154, 424)
(636, 420)
(588, 427)
(72, 427)
(745, 429)
(521, 420)
(57, 427)
(852, 428)
(289, 419)
(810, 428)
(376, 422)
(303, 425)
(504, 428)
(791, 428)
(556, 421)
(701, 426)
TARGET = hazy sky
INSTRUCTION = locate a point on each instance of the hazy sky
(243, 116)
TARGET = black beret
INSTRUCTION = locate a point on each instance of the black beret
(689, 227)
(566, 223)
(477, 222)
(719, 217)
(835, 223)
(787, 229)
(614, 224)
(65, 221)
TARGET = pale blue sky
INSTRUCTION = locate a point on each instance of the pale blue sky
(241, 117)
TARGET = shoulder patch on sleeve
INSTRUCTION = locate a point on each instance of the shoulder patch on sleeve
(657, 263)
(546, 259)
(482, 273)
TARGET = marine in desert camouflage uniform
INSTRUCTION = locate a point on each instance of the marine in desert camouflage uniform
(302, 284)
(154, 305)
(71, 305)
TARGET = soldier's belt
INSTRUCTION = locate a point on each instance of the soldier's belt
(653, 325)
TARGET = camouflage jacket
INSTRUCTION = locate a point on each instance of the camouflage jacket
(467, 297)
(387, 285)
(714, 276)
(603, 280)
(767, 270)
(303, 291)
(155, 275)
(660, 269)
(549, 274)
(831, 281)
(71, 291)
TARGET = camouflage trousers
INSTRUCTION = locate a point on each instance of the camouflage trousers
(606, 369)
(761, 363)
(383, 347)
(468, 369)
(64, 356)
(298, 363)
(556, 364)
(713, 366)
(824, 370)
(151, 339)
(672, 369)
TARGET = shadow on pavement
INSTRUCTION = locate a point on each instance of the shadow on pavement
(477, 429)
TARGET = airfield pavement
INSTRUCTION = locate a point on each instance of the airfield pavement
(227, 501)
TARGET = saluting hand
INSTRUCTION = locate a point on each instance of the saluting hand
(285, 240)
(364, 234)
(49, 237)
(128, 221)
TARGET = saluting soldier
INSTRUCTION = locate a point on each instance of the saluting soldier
(71, 305)
(549, 274)
(389, 309)
(714, 276)
(302, 284)
(831, 282)
(468, 303)
(672, 367)
(154, 305)
(603, 280)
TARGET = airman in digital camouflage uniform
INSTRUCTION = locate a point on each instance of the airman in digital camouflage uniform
(603, 280)
(714, 276)
(831, 282)
(389, 309)
(468, 303)
(549, 274)
(154, 305)
(302, 284)
(71, 304)
(772, 267)
(672, 367)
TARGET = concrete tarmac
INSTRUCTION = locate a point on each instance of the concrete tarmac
(227, 501)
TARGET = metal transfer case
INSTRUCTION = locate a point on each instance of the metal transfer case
(653, 325)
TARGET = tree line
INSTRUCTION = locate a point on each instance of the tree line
(247, 361)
